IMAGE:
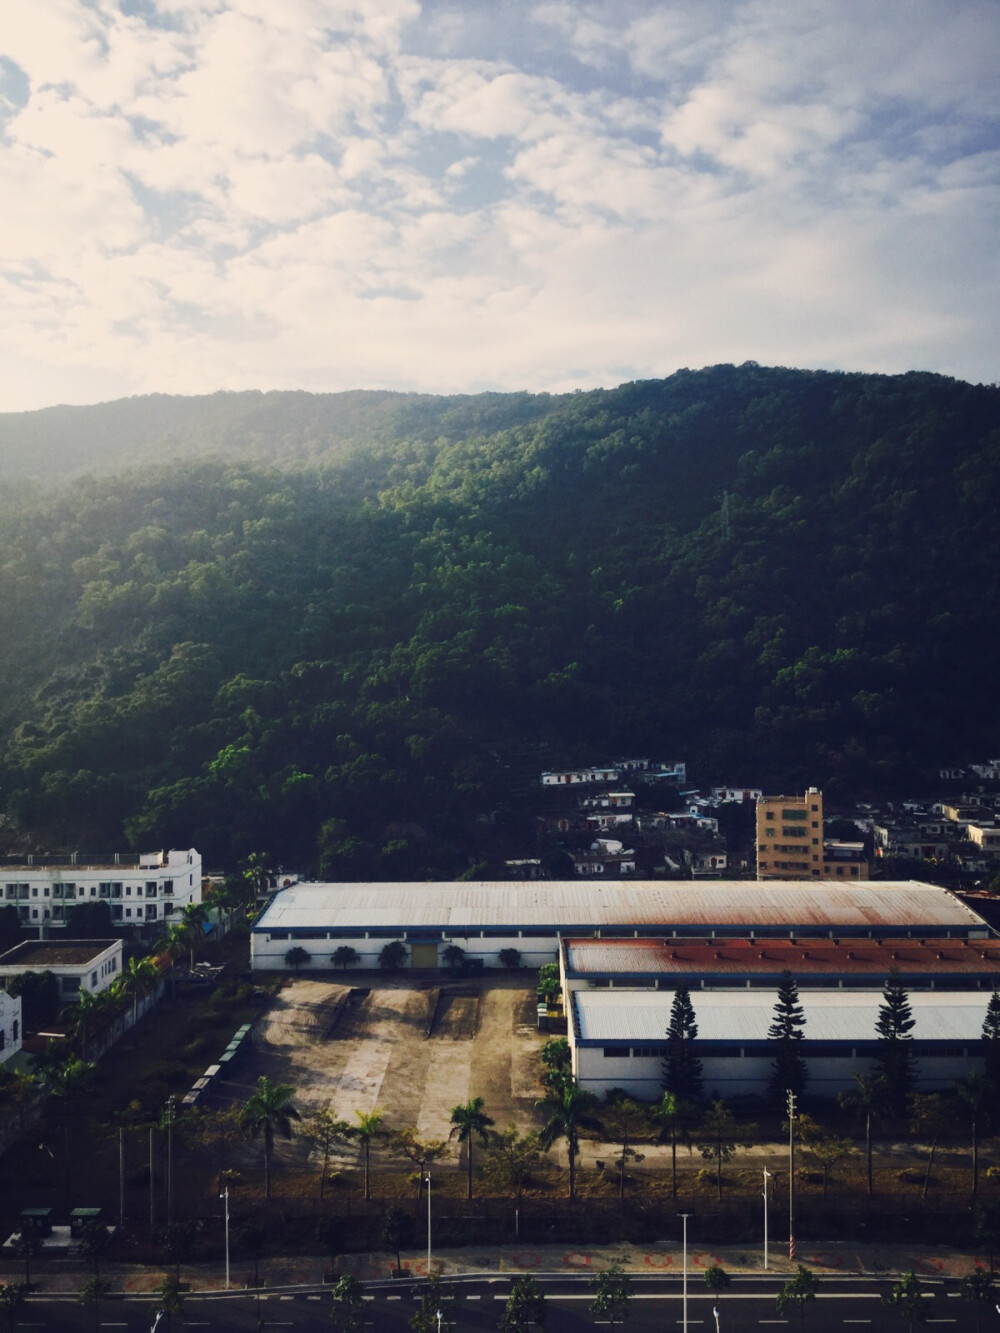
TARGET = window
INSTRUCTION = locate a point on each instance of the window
(616, 1052)
(794, 814)
(93, 980)
(15, 1029)
(3, 1039)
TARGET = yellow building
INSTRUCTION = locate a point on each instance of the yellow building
(790, 841)
(790, 836)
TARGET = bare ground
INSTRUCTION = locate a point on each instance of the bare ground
(411, 1050)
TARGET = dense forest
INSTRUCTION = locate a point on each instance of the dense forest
(350, 629)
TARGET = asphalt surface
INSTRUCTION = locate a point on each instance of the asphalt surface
(844, 1305)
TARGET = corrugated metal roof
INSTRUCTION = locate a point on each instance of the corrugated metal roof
(566, 905)
(803, 956)
(735, 1016)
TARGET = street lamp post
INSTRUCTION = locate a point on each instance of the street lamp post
(440, 1316)
(427, 1178)
(767, 1177)
(225, 1195)
(156, 1322)
(791, 1174)
(715, 1311)
(684, 1317)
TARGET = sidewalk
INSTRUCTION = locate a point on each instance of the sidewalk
(830, 1258)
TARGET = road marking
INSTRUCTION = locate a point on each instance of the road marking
(474, 1296)
(857, 1321)
(942, 1321)
(392, 1298)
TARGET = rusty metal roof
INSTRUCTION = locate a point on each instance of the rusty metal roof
(568, 906)
(802, 956)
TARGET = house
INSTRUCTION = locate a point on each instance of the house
(566, 777)
(77, 965)
(11, 1033)
(138, 887)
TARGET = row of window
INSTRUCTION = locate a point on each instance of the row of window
(858, 1051)
(110, 889)
(58, 913)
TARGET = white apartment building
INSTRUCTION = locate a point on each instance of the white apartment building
(139, 887)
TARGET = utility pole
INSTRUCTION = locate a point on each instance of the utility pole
(767, 1177)
(790, 1107)
(684, 1219)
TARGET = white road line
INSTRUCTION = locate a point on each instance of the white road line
(857, 1321)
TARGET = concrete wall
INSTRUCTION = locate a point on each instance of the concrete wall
(268, 952)
(642, 1076)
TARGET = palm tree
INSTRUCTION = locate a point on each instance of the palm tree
(369, 1127)
(193, 918)
(867, 1101)
(269, 1111)
(87, 1015)
(467, 1119)
(344, 956)
(68, 1082)
(138, 977)
(973, 1092)
(569, 1109)
(675, 1117)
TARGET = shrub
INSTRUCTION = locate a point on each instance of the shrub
(910, 1176)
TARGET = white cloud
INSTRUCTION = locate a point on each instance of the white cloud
(337, 192)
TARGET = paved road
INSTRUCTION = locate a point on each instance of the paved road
(844, 1306)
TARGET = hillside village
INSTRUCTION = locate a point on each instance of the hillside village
(639, 818)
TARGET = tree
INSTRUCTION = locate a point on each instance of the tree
(682, 1068)
(510, 959)
(435, 1308)
(977, 1286)
(420, 1152)
(138, 978)
(468, 1119)
(986, 1228)
(557, 1063)
(991, 1042)
(622, 1117)
(612, 1295)
(721, 1133)
(549, 985)
(568, 1110)
(348, 1301)
(94, 1243)
(25, 1245)
(454, 957)
(509, 1159)
(93, 1291)
(798, 1291)
(907, 1299)
(344, 956)
(393, 956)
(13, 1296)
(324, 1130)
(396, 1231)
(297, 957)
(866, 1101)
(789, 1072)
(194, 918)
(973, 1094)
(369, 1127)
(525, 1306)
(69, 1083)
(717, 1279)
(675, 1118)
(826, 1151)
(170, 1298)
(931, 1115)
(895, 1044)
(269, 1111)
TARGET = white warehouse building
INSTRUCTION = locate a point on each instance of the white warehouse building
(618, 1038)
(139, 887)
(533, 917)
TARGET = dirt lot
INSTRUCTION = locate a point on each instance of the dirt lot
(414, 1050)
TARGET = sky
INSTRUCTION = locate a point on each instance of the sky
(508, 194)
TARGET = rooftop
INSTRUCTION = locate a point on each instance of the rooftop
(802, 956)
(636, 904)
(746, 1015)
(34, 955)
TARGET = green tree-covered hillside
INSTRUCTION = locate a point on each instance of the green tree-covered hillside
(345, 640)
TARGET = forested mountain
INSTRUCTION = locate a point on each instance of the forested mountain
(345, 628)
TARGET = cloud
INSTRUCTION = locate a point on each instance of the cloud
(330, 193)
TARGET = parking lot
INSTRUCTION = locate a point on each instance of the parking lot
(412, 1049)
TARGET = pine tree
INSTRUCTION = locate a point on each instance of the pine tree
(895, 1056)
(991, 1042)
(789, 1072)
(682, 1068)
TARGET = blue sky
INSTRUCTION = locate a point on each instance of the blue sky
(333, 194)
